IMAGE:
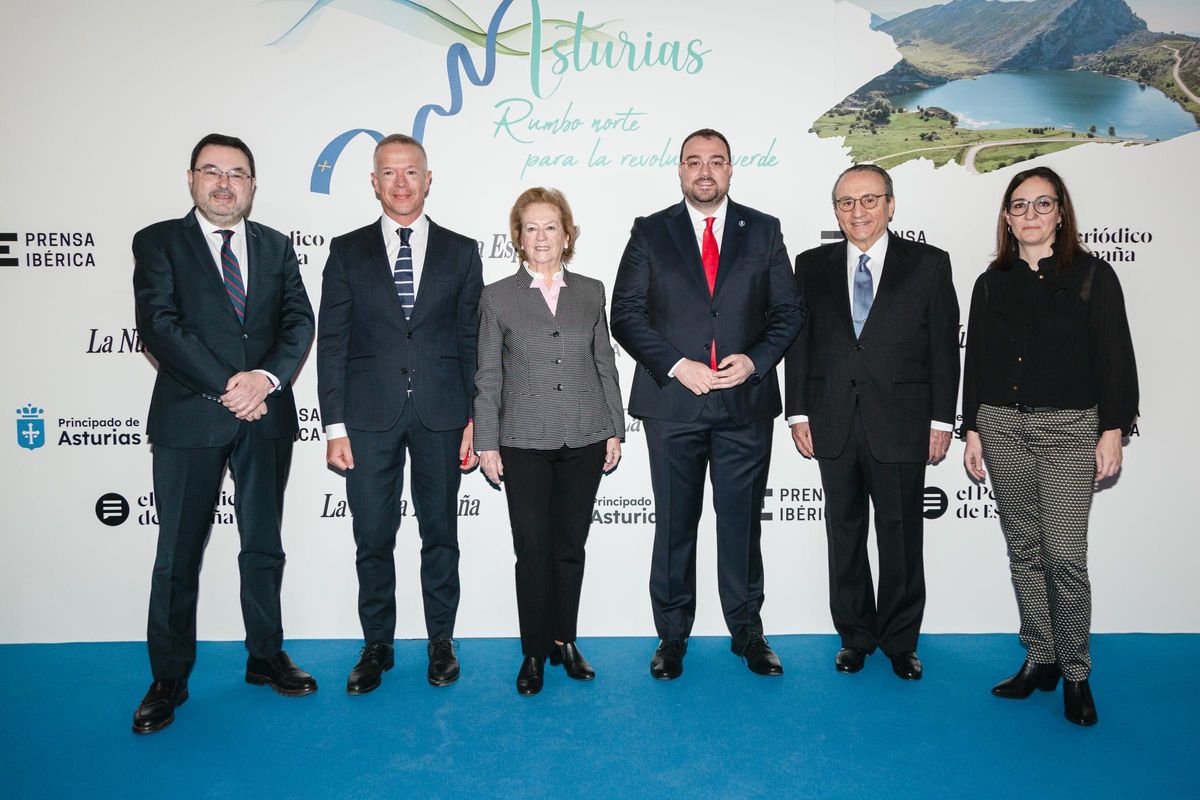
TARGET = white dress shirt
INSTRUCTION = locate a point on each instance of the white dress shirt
(699, 224)
(237, 243)
(876, 256)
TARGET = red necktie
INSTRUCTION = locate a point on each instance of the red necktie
(710, 255)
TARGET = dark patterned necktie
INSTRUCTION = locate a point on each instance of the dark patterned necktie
(402, 273)
(232, 274)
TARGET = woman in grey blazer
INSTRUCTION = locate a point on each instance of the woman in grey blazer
(548, 421)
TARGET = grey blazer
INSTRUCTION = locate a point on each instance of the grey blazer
(545, 380)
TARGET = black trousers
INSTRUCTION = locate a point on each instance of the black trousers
(737, 458)
(373, 490)
(896, 491)
(187, 483)
(551, 494)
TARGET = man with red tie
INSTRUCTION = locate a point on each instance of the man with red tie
(222, 309)
(705, 302)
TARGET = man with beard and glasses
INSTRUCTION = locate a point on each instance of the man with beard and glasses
(222, 309)
(705, 302)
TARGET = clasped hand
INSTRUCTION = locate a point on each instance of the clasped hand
(701, 379)
(245, 393)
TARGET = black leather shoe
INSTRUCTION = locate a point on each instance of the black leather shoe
(667, 664)
(1029, 677)
(443, 664)
(906, 665)
(850, 659)
(281, 674)
(376, 658)
(754, 650)
(572, 661)
(1078, 706)
(157, 709)
(529, 679)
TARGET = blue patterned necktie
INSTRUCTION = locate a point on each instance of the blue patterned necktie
(232, 274)
(403, 273)
(862, 294)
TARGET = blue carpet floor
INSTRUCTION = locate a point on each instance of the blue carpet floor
(717, 732)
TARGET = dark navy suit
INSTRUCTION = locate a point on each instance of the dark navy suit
(188, 325)
(401, 384)
(662, 311)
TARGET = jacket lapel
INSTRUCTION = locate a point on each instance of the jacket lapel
(429, 271)
(377, 258)
(680, 226)
(894, 270)
(254, 245)
(195, 236)
(835, 277)
(732, 237)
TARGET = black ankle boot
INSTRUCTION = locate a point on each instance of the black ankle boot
(1029, 677)
(1078, 706)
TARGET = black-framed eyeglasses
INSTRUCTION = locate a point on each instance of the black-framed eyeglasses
(236, 177)
(1042, 205)
(695, 163)
(867, 201)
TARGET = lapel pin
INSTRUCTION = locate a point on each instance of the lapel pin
(741, 223)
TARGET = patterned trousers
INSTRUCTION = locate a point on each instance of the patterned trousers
(1043, 466)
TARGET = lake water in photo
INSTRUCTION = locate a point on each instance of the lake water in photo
(1057, 98)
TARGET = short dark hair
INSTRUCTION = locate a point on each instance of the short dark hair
(221, 140)
(874, 168)
(551, 197)
(404, 139)
(1066, 239)
(706, 133)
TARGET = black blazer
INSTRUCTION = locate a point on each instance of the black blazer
(545, 380)
(902, 372)
(662, 310)
(186, 321)
(367, 352)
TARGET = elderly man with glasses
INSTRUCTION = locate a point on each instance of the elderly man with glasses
(871, 386)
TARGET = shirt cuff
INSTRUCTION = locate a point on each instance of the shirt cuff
(792, 420)
(274, 381)
(335, 430)
(671, 373)
(937, 425)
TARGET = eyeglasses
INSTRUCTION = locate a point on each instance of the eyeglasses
(236, 177)
(1042, 205)
(867, 201)
(715, 164)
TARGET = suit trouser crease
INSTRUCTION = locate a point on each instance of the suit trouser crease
(374, 491)
(1042, 467)
(852, 480)
(187, 484)
(551, 494)
(737, 458)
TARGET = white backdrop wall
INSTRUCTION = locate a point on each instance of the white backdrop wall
(103, 102)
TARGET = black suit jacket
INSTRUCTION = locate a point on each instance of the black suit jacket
(186, 321)
(367, 352)
(662, 310)
(902, 371)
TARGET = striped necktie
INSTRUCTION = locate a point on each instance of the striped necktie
(403, 273)
(232, 274)
(863, 296)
